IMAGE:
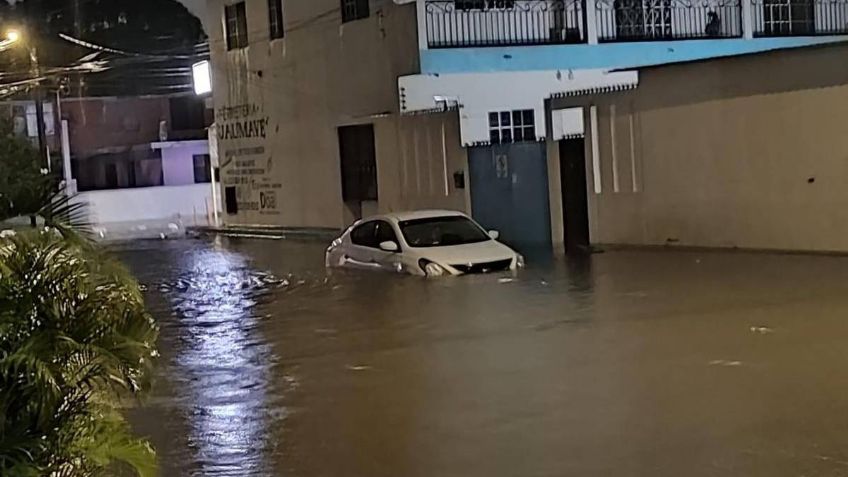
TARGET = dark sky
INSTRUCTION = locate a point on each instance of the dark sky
(143, 26)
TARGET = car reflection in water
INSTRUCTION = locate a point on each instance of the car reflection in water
(225, 365)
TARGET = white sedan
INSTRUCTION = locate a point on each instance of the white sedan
(427, 243)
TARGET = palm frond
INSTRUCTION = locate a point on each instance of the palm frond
(75, 340)
(66, 213)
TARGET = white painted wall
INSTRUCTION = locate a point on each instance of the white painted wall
(178, 160)
(188, 203)
(477, 94)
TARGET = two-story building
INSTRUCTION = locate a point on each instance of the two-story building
(557, 122)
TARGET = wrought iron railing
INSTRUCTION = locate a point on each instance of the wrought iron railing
(636, 20)
(799, 17)
(458, 23)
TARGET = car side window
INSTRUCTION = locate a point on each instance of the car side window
(364, 235)
(385, 233)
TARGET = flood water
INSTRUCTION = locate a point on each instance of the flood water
(630, 363)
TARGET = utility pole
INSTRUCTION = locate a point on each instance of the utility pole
(31, 10)
(38, 97)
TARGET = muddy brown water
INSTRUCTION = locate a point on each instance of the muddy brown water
(629, 363)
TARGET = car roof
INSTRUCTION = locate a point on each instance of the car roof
(416, 214)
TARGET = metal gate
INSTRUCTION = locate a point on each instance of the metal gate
(509, 192)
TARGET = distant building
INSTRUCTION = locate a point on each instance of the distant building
(135, 160)
(553, 121)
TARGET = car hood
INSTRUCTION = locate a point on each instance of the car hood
(471, 253)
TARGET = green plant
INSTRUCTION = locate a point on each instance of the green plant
(75, 342)
(24, 187)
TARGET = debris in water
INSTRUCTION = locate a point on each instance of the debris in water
(724, 362)
(506, 280)
(763, 330)
(358, 368)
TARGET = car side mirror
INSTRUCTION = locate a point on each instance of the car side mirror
(389, 246)
(494, 234)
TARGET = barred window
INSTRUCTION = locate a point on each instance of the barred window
(235, 19)
(275, 19)
(354, 10)
(512, 126)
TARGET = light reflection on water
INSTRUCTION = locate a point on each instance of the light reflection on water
(223, 363)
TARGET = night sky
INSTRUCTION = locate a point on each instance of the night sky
(158, 27)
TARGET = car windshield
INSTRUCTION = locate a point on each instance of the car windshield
(442, 232)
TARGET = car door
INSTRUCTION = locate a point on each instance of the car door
(386, 233)
(363, 245)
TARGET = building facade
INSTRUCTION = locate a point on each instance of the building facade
(327, 110)
(141, 164)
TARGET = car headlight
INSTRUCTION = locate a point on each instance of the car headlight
(431, 269)
(519, 260)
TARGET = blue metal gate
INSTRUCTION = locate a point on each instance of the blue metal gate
(509, 192)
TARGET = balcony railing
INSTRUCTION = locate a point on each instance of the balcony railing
(457, 23)
(465, 23)
(635, 20)
(800, 17)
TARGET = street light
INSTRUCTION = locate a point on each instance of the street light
(12, 37)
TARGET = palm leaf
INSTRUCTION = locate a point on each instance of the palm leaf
(75, 340)
(66, 213)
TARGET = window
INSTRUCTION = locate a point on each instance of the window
(354, 10)
(202, 168)
(788, 17)
(639, 19)
(275, 19)
(111, 176)
(365, 235)
(235, 17)
(512, 126)
(231, 200)
(442, 232)
(385, 233)
(372, 234)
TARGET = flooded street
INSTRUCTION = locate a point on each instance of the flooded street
(627, 363)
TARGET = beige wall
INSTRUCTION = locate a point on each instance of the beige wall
(417, 157)
(745, 152)
(322, 75)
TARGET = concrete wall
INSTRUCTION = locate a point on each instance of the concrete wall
(107, 124)
(178, 160)
(188, 203)
(482, 93)
(417, 157)
(742, 152)
(298, 90)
